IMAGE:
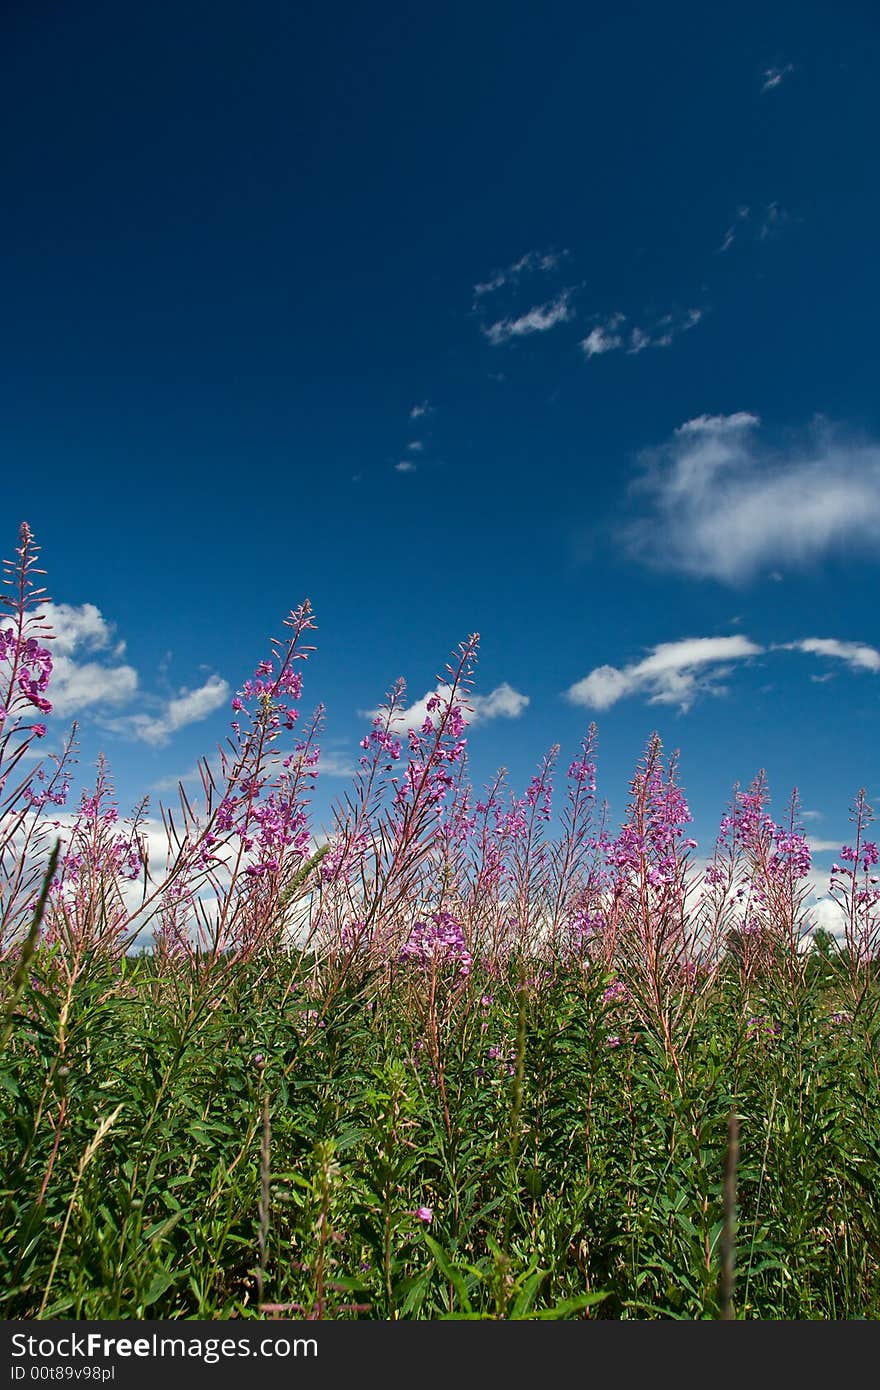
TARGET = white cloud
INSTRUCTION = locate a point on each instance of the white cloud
(99, 682)
(533, 260)
(82, 626)
(609, 337)
(671, 327)
(772, 222)
(405, 466)
(721, 506)
(604, 337)
(730, 236)
(857, 655)
(415, 446)
(773, 77)
(502, 702)
(190, 778)
(674, 673)
(719, 424)
(764, 225)
(423, 408)
(76, 685)
(332, 764)
(538, 319)
(189, 707)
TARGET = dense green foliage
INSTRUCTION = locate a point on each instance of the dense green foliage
(200, 1142)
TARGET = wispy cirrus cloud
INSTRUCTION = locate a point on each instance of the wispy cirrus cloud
(734, 231)
(771, 78)
(336, 764)
(405, 466)
(720, 505)
(420, 409)
(673, 673)
(612, 334)
(187, 707)
(678, 673)
(542, 261)
(751, 225)
(539, 319)
(858, 656)
(605, 337)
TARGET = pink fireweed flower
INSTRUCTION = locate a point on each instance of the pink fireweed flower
(616, 993)
(759, 1025)
(438, 942)
(425, 1214)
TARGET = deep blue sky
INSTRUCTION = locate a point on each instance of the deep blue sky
(241, 243)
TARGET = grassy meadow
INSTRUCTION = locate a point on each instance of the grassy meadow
(475, 1055)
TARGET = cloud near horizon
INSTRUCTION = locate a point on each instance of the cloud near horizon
(502, 702)
(721, 506)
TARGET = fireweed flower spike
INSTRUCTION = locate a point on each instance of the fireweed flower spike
(855, 887)
(26, 786)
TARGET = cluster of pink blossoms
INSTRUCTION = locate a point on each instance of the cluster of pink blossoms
(54, 788)
(96, 848)
(438, 942)
(268, 690)
(756, 833)
(616, 993)
(278, 823)
(34, 664)
(867, 857)
(432, 763)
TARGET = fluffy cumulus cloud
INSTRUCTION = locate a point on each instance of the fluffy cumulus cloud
(673, 673)
(502, 702)
(539, 319)
(87, 671)
(90, 678)
(720, 505)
